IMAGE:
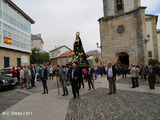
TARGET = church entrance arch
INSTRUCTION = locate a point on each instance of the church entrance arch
(123, 58)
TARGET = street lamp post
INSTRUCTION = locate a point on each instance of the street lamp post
(99, 46)
(148, 36)
(36, 56)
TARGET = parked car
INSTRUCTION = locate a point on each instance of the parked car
(7, 82)
(6, 71)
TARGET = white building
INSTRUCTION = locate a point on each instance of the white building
(15, 35)
(37, 41)
(54, 53)
(151, 27)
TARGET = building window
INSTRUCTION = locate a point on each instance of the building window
(150, 54)
(58, 52)
(0, 38)
(18, 38)
(119, 5)
(13, 17)
(52, 54)
(4, 6)
(0, 14)
(67, 59)
(9, 35)
(18, 62)
(6, 62)
(0, 4)
(4, 33)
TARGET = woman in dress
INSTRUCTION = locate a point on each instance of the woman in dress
(22, 76)
(98, 74)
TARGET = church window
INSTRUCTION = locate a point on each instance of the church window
(119, 5)
(150, 54)
(120, 29)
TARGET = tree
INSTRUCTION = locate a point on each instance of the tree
(153, 62)
(38, 57)
(44, 58)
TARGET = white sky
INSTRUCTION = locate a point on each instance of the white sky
(59, 20)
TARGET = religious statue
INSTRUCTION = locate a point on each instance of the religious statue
(79, 56)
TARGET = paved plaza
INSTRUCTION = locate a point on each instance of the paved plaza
(16, 94)
(141, 82)
(127, 104)
(10, 98)
(124, 105)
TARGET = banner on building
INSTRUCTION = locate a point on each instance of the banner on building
(24, 59)
(8, 40)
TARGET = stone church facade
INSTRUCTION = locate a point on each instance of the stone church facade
(123, 32)
(151, 25)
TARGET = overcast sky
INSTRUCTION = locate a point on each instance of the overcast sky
(59, 20)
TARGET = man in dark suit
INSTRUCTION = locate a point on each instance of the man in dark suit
(111, 76)
(74, 81)
(89, 76)
(80, 78)
(33, 72)
(151, 77)
(44, 76)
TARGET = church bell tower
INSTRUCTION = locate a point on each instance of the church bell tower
(123, 32)
(117, 7)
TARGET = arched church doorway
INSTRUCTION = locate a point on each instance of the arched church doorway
(123, 58)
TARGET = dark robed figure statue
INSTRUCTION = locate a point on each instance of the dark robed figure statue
(79, 56)
(80, 61)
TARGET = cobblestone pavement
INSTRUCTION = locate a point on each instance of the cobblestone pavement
(141, 82)
(124, 105)
(11, 97)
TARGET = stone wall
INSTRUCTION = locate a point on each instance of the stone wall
(142, 48)
(109, 8)
(150, 43)
(13, 55)
(131, 41)
(158, 39)
(128, 5)
(153, 43)
(63, 60)
(137, 3)
(38, 43)
(54, 61)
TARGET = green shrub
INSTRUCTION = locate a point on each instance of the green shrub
(153, 62)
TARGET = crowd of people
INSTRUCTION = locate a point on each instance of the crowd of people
(76, 76)
(26, 75)
(151, 72)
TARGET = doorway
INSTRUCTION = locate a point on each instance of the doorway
(19, 62)
(6, 62)
(124, 58)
